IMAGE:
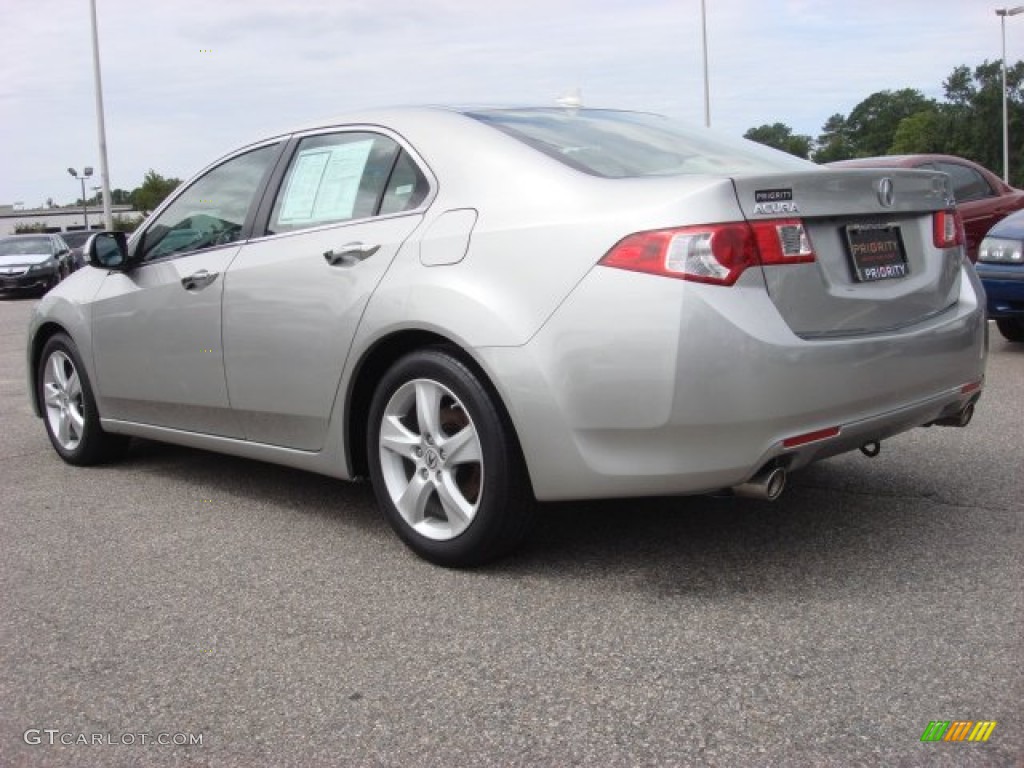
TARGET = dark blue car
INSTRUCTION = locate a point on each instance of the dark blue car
(1001, 268)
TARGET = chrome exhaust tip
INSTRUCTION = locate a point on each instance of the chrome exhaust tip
(961, 419)
(766, 485)
(966, 415)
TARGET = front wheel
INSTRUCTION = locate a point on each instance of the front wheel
(69, 408)
(1012, 328)
(445, 466)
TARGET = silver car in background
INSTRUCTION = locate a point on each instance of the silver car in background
(478, 309)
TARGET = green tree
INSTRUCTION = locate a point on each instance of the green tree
(126, 223)
(153, 191)
(30, 229)
(781, 136)
(834, 141)
(924, 132)
(974, 109)
(872, 124)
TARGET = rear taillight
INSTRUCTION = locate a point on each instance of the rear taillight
(714, 253)
(947, 229)
(783, 241)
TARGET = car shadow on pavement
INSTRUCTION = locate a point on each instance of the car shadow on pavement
(252, 482)
(835, 526)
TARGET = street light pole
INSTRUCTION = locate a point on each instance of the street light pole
(1002, 13)
(108, 220)
(704, 43)
(86, 173)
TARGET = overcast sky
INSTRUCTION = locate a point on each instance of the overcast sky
(186, 80)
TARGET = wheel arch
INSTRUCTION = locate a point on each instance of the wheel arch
(42, 335)
(372, 366)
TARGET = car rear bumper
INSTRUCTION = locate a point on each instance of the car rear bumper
(640, 385)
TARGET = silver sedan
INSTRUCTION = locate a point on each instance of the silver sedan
(480, 309)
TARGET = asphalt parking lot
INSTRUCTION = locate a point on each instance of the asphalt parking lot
(273, 615)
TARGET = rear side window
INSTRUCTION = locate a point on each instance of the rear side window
(968, 184)
(334, 178)
(629, 144)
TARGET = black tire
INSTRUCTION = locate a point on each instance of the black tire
(468, 506)
(83, 442)
(1012, 328)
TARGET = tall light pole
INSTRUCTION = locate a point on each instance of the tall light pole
(86, 173)
(704, 44)
(1002, 13)
(101, 130)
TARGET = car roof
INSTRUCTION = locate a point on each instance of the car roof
(28, 235)
(411, 113)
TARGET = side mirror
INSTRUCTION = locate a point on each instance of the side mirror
(107, 250)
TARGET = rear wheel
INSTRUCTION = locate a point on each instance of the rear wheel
(446, 469)
(69, 408)
(1011, 327)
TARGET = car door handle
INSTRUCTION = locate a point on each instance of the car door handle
(350, 254)
(198, 280)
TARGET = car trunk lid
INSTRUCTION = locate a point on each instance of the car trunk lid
(876, 267)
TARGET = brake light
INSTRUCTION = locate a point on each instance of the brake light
(716, 253)
(947, 229)
(783, 241)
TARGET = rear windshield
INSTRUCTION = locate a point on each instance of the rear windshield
(75, 239)
(617, 144)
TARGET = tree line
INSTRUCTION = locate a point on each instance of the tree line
(967, 122)
(144, 198)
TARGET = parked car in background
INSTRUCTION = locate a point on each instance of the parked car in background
(76, 239)
(33, 262)
(480, 308)
(1001, 269)
(981, 196)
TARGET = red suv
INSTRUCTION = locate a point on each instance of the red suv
(982, 198)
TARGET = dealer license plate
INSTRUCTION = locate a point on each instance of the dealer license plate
(876, 253)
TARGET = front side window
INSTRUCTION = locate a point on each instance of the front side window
(212, 210)
(334, 178)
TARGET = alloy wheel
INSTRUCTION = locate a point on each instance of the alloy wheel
(64, 400)
(431, 459)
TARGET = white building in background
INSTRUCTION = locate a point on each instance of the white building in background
(56, 219)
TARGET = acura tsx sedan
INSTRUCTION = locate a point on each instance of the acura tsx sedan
(479, 309)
